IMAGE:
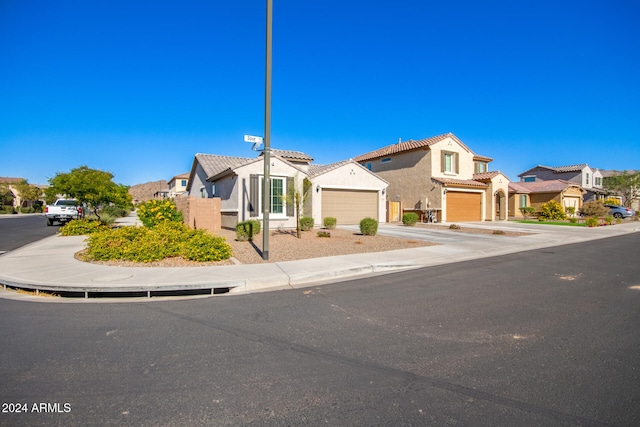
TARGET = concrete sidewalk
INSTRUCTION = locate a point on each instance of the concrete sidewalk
(49, 264)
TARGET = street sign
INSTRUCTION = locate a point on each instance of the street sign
(254, 139)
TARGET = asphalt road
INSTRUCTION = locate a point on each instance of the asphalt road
(19, 230)
(547, 337)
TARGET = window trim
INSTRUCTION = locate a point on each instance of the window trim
(454, 163)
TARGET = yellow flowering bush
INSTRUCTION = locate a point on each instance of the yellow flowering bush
(166, 239)
(154, 212)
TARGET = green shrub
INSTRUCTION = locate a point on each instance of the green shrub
(247, 229)
(324, 234)
(330, 222)
(410, 218)
(570, 210)
(203, 247)
(594, 208)
(154, 212)
(498, 232)
(573, 220)
(369, 226)
(167, 239)
(114, 211)
(609, 219)
(527, 211)
(551, 210)
(592, 221)
(81, 227)
(306, 223)
(454, 227)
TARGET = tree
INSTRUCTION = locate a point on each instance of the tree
(6, 195)
(594, 208)
(625, 184)
(27, 192)
(91, 187)
(296, 198)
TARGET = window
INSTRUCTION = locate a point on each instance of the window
(277, 191)
(480, 167)
(386, 160)
(586, 179)
(183, 182)
(449, 162)
(598, 181)
(523, 201)
(530, 178)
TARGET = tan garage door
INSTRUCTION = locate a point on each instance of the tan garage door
(349, 206)
(464, 206)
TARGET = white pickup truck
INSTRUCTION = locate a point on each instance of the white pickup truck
(63, 210)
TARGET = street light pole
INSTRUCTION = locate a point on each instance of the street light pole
(266, 186)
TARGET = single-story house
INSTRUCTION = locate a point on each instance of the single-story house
(537, 193)
(344, 190)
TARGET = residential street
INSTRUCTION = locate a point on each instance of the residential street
(546, 337)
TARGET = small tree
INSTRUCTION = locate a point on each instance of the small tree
(625, 184)
(527, 211)
(27, 192)
(552, 210)
(91, 187)
(296, 197)
(594, 209)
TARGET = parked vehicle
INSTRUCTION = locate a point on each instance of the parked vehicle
(63, 210)
(620, 211)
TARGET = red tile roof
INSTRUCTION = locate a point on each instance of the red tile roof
(405, 146)
(460, 182)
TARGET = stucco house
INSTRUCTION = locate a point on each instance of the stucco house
(344, 190)
(590, 179)
(178, 185)
(537, 193)
(439, 175)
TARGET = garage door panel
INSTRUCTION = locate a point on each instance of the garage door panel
(349, 206)
(464, 206)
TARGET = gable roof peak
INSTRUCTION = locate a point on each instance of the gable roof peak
(402, 146)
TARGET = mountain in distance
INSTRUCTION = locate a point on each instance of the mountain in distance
(144, 192)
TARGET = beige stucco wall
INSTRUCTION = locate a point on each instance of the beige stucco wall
(350, 176)
(514, 205)
(409, 178)
(465, 161)
(240, 193)
(201, 214)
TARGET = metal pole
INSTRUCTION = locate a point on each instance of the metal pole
(266, 187)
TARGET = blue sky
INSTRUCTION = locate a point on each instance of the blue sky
(139, 87)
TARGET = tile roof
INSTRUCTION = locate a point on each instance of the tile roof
(315, 170)
(557, 169)
(515, 187)
(213, 164)
(405, 146)
(486, 175)
(551, 186)
(460, 182)
(298, 156)
(482, 158)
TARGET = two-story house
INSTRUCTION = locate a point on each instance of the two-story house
(588, 178)
(439, 174)
(178, 185)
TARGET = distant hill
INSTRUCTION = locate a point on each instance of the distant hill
(145, 192)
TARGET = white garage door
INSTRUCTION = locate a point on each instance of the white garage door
(349, 206)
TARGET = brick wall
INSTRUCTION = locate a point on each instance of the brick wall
(201, 214)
